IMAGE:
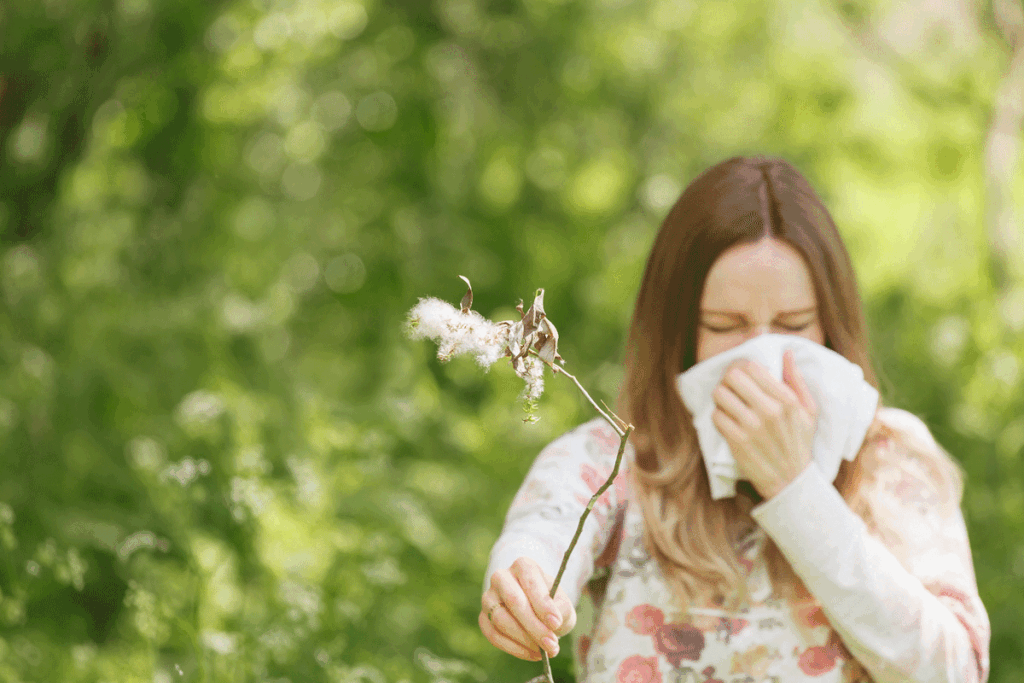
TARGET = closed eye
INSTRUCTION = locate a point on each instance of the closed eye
(788, 328)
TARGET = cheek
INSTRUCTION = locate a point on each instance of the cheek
(814, 333)
(709, 345)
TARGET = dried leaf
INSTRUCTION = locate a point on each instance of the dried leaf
(533, 316)
(467, 300)
(547, 342)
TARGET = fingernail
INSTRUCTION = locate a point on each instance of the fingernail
(551, 645)
(554, 621)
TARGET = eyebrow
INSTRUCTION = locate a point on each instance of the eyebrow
(740, 314)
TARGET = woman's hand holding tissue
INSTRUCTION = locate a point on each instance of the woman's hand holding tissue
(769, 425)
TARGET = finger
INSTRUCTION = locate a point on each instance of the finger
(738, 441)
(743, 385)
(489, 602)
(503, 587)
(729, 429)
(537, 587)
(522, 623)
(771, 386)
(504, 643)
(792, 377)
(504, 623)
(531, 606)
(563, 606)
(729, 403)
(568, 613)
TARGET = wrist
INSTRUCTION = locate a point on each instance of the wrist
(779, 485)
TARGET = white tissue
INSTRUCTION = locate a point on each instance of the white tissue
(846, 403)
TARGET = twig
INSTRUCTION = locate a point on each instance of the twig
(623, 433)
(593, 500)
(556, 369)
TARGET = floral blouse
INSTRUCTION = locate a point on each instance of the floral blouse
(873, 619)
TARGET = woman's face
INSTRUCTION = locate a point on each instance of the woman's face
(754, 288)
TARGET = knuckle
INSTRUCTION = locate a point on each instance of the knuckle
(521, 564)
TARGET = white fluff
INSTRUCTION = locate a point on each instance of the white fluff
(456, 332)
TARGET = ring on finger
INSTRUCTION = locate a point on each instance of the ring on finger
(490, 612)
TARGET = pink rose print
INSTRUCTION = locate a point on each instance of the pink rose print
(595, 478)
(644, 620)
(606, 437)
(737, 625)
(965, 612)
(678, 642)
(818, 660)
(948, 591)
(638, 669)
(910, 490)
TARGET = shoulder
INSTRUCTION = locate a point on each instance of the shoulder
(912, 462)
(595, 439)
(907, 425)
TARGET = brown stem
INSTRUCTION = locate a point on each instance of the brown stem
(624, 437)
(593, 499)
(615, 421)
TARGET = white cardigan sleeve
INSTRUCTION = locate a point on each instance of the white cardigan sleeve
(921, 621)
(544, 514)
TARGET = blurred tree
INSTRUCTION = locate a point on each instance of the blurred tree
(224, 461)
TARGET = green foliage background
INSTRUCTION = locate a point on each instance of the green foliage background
(222, 461)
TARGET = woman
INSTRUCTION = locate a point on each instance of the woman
(796, 578)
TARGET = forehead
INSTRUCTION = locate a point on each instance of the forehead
(760, 275)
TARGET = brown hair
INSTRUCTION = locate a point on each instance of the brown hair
(691, 535)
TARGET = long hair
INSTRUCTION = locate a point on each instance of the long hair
(691, 535)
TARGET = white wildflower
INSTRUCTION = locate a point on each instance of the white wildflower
(533, 373)
(531, 342)
(456, 332)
